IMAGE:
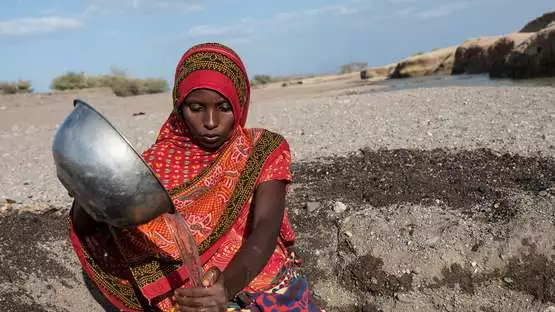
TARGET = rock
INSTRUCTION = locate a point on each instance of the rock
(364, 75)
(550, 309)
(539, 23)
(535, 57)
(377, 72)
(5, 209)
(498, 52)
(432, 241)
(312, 206)
(14, 200)
(339, 207)
(10, 201)
(472, 56)
(508, 280)
(437, 61)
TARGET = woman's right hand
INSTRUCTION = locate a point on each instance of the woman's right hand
(83, 223)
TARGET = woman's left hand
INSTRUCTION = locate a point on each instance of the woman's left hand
(211, 297)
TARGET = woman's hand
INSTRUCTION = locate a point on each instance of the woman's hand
(211, 297)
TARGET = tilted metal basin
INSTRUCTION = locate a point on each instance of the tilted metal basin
(107, 177)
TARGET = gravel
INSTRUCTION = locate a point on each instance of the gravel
(317, 121)
(332, 119)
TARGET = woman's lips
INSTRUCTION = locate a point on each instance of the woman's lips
(210, 138)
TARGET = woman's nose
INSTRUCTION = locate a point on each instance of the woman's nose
(211, 119)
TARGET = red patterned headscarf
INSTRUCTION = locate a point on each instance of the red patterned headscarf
(217, 67)
(204, 66)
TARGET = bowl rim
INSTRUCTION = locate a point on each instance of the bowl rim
(82, 102)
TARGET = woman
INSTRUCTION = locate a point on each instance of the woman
(229, 184)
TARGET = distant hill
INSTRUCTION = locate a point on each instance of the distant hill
(528, 53)
(540, 23)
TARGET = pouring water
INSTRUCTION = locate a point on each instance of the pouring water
(186, 246)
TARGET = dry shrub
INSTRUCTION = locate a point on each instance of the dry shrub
(11, 87)
(151, 85)
(261, 79)
(118, 81)
(353, 67)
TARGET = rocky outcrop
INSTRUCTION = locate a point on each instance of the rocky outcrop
(525, 54)
(472, 56)
(498, 52)
(437, 61)
(534, 57)
(539, 23)
(377, 72)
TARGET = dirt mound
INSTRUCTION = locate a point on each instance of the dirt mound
(386, 177)
(414, 230)
(38, 270)
(19, 262)
(403, 230)
(539, 23)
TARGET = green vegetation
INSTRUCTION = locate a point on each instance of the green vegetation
(14, 87)
(353, 67)
(261, 80)
(120, 83)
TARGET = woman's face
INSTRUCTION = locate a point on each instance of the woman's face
(209, 117)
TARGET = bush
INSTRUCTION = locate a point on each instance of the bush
(353, 67)
(22, 86)
(72, 81)
(8, 87)
(155, 86)
(261, 79)
(118, 81)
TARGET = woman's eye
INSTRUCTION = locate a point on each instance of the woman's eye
(225, 107)
(195, 107)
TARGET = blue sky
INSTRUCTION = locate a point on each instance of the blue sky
(40, 39)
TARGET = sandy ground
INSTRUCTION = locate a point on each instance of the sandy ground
(438, 199)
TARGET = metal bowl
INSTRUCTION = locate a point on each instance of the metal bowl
(106, 176)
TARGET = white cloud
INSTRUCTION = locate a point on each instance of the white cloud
(36, 26)
(233, 35)
(210, 30)
(49, 11)
(353, 7)
(246, 30)
(121, 6)
(444, 10)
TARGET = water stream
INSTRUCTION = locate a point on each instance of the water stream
(451, 81)
(186, 246)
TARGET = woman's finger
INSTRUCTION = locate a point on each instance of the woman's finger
(211, 277)
(197, 302)
(189, 309)
(194, 292)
